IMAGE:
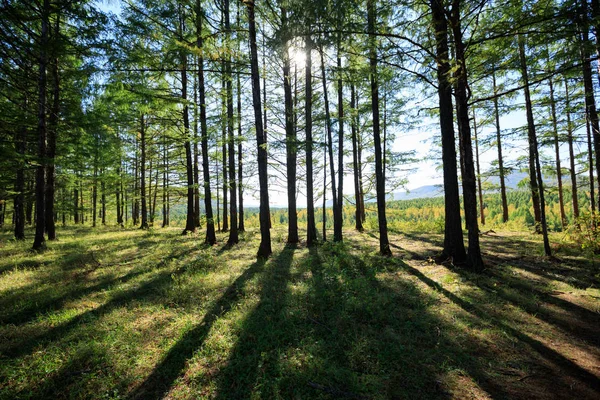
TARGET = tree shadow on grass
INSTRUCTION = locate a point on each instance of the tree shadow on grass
(158, 383)
(567, 368)
(265, 332)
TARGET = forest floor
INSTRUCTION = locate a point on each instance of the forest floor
(120, 314)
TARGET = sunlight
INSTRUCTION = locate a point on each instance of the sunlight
(297, 56)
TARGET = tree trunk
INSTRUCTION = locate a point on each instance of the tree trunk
(479, 189)
(384, 245)
(224, 126)
(464, 128)
(453, 236)
(211, 237)
(340, 189)
(19, 202)
(52, 133)
(324, 219)
(561, 203)
(290, 137)
(500, 158)
(196, 158)
(40, 184)
(531, 138)
(144, 223)
(590, 165)
(233, 231)
(354, 127)
(95, 194)
(575, 200)
(190, 223)
(264, 249)
(311, 225)
(241, 226)
(337, 226)
(533, 147)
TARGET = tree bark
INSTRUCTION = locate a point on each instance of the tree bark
(311, 225)
(264, 249)
(52, 133)
(500, 157)
(561, 203)
(233, 231)
(290, 137)
(40, 184)
(479, 188)
(337, 226)
(144, 222)
(340, 188)
(19, 202)
(575, 200)
(384, 244)
(354, 128)
(224, 127)
(533, 147)
(211, 237)
(453, 236)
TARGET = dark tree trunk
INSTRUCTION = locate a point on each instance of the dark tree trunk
(241, 226)
(340, 190)
(384, 244)
(135, 212)
(103, 198)
(531, 138)
(290, 137)
(337, 226)
(196, 158)
(561, 203)
(264, 249)
(144, 223)
(233, 231)
(190, 223)
(40, 181)
(590, 102)
(500, 158)
(311, 225)
(575, 200)
(211, 237)
(52, 133)
(354, 127)
(324, 219)
(533, 147)
(224, 126)
(19, 202)
(590, 164)
(453, 237)
(94, 194)
(479, 188)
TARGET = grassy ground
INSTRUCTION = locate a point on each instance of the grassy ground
(119, 314)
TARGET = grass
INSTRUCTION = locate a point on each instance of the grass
(130, 314)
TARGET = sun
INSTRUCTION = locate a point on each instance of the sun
(297, 56)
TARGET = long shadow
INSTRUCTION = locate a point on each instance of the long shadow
(568, 366)
(581, 327)
(146, 290)
(265, 332)
(172, 365)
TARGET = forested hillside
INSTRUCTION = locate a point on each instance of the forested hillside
(166, 162)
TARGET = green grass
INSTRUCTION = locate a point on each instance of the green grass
(119, 314)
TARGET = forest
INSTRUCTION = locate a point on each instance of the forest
(198, 199)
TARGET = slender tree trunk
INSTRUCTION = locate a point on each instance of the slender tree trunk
(311, 225)
(19, 202)
(453, 236)
(40, 184)
(103, 197)
(224, 127)
(563, 216)
(575, 200)
(340, 191)
(211, 237)
(337, 226)
(190, 223)
(95, 195)
(144, 223)
(264, 249)
(533, 147)
(479, 189)
(241, 226)
(500, 158)
(354, 127)
(535, 191)
(233, 231)
(590, 164)
(363, 214)
(290, 138)
(384, 244)
(136, 204)
(324, 227)
(52, 133)
(196, 157)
